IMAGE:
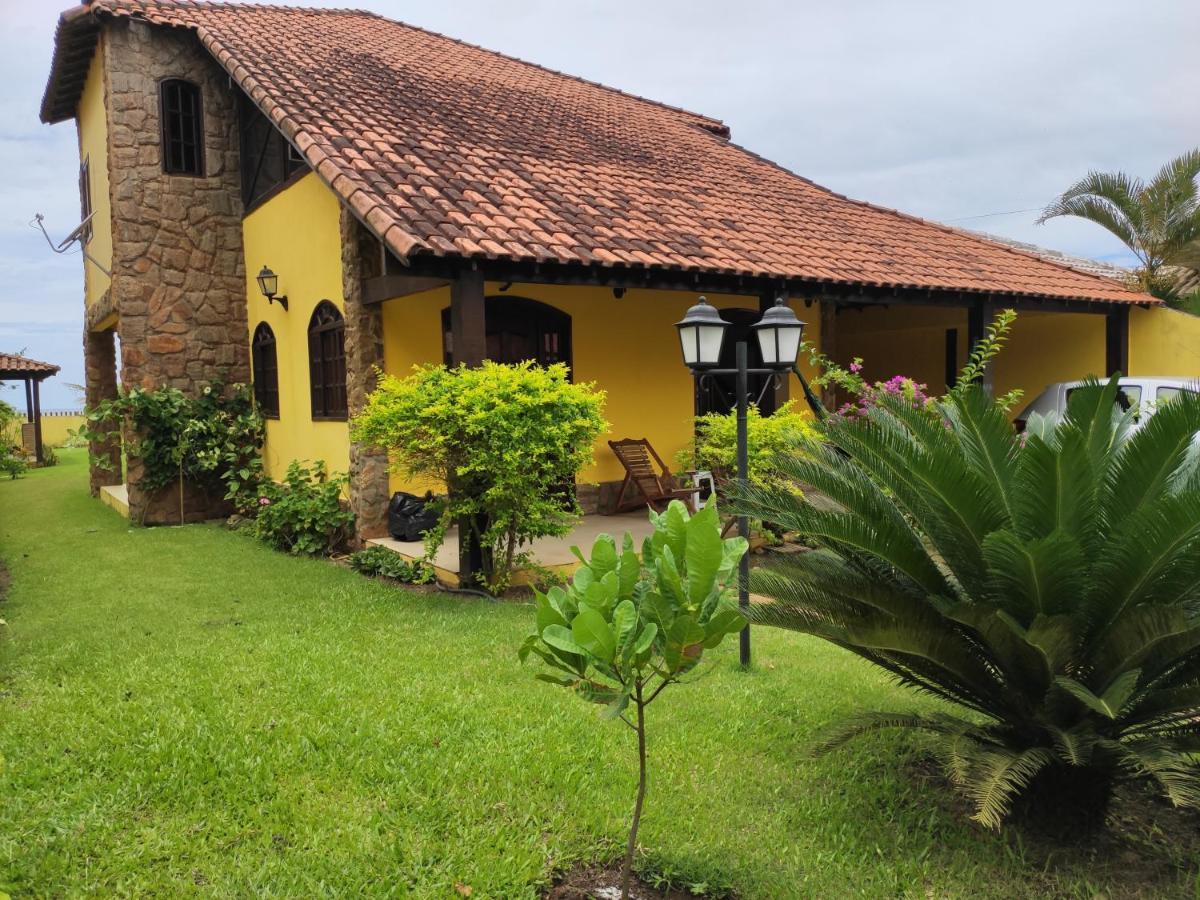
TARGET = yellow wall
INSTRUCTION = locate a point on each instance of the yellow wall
(297, 234)
(1164, 342)
(56, 429)
(1043, 347)
(628, 347)
(93, 145)
(1049, 347)
(901, 340)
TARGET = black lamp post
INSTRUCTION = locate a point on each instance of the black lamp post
(779, 332)
(268, 283)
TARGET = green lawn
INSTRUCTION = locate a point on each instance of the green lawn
(184, 711)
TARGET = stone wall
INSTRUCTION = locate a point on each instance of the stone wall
(361, 259)
(100, 377)
(178, 282)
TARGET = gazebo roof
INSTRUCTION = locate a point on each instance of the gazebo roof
(22, 368)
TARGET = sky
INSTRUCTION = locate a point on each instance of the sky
(971, 113)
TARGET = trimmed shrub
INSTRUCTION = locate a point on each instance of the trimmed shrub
(506, 441)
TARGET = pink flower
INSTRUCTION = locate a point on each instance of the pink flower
(856, 367)
(264, 501)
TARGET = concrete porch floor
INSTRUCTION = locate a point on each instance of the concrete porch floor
(551, 553)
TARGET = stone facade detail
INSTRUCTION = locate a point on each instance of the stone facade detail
(178, 283)
(100, 364)
(361, 259)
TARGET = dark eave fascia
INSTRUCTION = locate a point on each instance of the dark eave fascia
(74, 43)
(430, 268)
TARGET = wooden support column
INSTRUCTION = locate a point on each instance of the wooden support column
(37, 421)
(828, 340)
(29, 400)
(468, 333)
(468, 346)
(1116, 341)
(979, 318)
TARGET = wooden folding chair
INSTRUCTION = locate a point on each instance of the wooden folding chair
(657, 488)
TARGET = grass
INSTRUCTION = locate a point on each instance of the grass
(186, 712)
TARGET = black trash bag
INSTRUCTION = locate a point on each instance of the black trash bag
(410, 516)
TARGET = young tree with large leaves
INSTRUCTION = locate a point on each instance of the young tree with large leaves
(1047, 585)
(626, 628)
(1158, 221)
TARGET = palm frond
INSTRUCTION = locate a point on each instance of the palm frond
(997, 776)
(1041, 577)
(1176, 773)
(1147, 463)
(868, 722)
(1111, 200)
(987, 439)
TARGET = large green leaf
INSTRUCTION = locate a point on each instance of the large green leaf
(625, 620)
(547, 613)
(724, 621)
(703, 553)
(563, 639)
(591, 632)
(604, 555)
(674, 528)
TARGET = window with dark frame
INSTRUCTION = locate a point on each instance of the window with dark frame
(85, 198)
(182, 127)
(327, 362)
(266, 371)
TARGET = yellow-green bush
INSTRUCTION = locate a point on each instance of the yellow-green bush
(503, 439)
(715, 448)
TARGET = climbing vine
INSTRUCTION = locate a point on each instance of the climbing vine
(211, 440)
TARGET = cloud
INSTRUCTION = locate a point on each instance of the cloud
(945, 110)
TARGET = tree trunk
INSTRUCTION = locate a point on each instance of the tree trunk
(1066, 802)
(627, 867)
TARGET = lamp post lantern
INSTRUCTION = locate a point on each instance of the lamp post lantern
(779, 333)
(702, 337)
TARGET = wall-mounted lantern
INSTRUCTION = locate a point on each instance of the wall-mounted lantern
(268, 283)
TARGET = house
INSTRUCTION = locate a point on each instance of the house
(408, 198)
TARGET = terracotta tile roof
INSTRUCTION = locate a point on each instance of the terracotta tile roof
(1082, 263)
(447, 149)
(12, 366)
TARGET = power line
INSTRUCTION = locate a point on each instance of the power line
(1011, 212)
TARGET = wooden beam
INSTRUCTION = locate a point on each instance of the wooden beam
(1116, 341)
(389, 287)
(979, 318)
(468, 346)
(628, 277)
(952, 365)
(37, 421)
(468, 331)
(829, 335)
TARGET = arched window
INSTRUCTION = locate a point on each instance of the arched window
(327, 362)
(182, 127)
(266, 371)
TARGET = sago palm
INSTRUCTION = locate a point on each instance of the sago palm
(1048, 585)
(1158, 221)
